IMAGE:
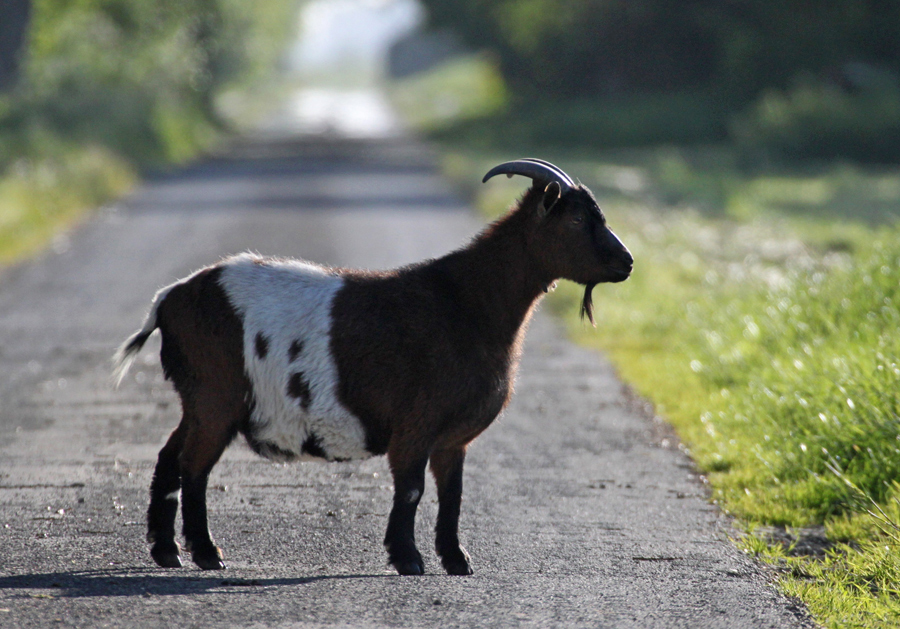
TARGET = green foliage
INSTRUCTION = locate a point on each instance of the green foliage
(623, 73)
(857, 588)
(776, 357)
(110, 86)
(41, 197)
(785, 334)
(853, 586)
(609, 47)
(629, 121)
(137, 76)
(813, 119)
(813, 364)
(562, 49)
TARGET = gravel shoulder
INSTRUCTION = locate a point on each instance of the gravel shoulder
(578, 509)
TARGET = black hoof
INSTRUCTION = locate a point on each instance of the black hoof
(410, 567)
(460, 568)
(457, 562)
(409, 561)
(166, 556)
(210, 559)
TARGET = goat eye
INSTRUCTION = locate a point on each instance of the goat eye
(578, 220)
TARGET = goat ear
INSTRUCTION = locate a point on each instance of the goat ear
(551, 196)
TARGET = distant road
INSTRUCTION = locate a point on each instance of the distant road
(577, 510)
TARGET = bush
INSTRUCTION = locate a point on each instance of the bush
(137, 76)
(646, 119)
(819, 120)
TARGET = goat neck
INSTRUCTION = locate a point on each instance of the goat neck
(498, 272)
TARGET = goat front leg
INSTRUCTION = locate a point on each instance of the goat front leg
(400, 539)
(447, 468)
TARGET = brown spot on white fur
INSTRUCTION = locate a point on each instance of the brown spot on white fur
(298, 387)
(313, 447)
(262, 345)
(294, 350)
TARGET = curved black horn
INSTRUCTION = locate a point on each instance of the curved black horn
(565, 177)
(536, 169)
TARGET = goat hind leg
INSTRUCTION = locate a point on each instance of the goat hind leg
(200, 454)
(163, 508)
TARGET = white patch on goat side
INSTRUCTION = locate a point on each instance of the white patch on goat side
(287, 301)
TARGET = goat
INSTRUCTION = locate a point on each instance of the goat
(309, 361)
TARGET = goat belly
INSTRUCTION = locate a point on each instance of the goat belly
(285, 309)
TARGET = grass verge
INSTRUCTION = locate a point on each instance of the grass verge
(41, 197)
(762, 321)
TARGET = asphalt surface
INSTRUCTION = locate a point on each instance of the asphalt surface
(578, 508)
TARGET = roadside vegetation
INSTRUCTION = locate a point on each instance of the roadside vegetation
(107, 89)
(762, 317)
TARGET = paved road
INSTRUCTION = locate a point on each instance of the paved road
(577, 510)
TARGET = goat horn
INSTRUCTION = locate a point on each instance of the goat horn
(565, 177)
(536, 169)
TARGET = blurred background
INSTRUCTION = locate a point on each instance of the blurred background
(94, 92)
(154, 81)
(747, 151)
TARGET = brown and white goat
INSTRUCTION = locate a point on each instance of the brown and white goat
(308, 361)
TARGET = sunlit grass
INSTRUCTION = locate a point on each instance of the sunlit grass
(41, 197)
(769, 371)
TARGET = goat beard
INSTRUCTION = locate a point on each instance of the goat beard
(587, 304)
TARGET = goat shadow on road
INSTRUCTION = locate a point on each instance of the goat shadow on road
(136, 582)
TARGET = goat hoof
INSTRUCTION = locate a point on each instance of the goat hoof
(410, 568)
(406, 559)
(210, 560)
(457, 562)
(166, 556)
(460, 568)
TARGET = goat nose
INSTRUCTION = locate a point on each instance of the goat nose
(626, 258)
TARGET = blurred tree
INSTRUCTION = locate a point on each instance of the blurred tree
(14, 16)
(605, 47)
(599, 47)
(768, 44)
(139, 76)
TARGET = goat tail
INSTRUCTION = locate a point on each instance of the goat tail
(128, 351)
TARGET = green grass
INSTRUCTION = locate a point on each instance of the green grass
(39, 197)
(762, 321)
(853, 586)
